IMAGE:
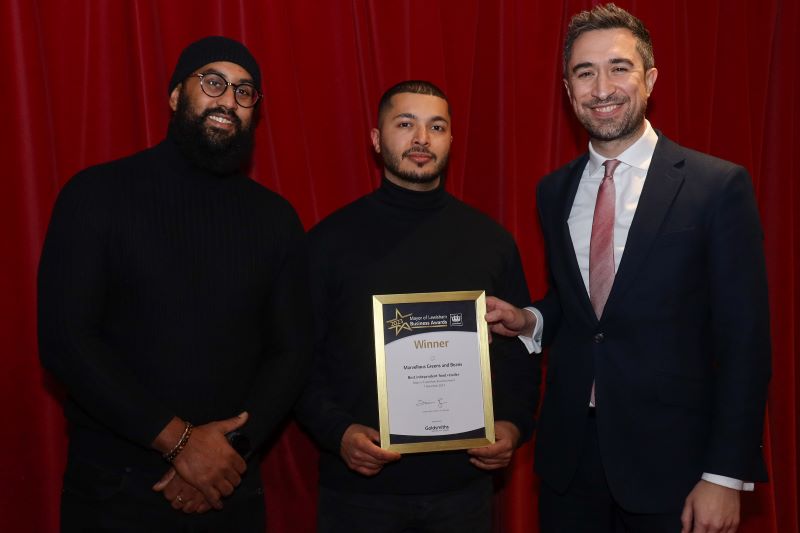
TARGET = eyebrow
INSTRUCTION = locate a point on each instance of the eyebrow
(220, 74)
(618, 60)
(437, 118)
(612, 61)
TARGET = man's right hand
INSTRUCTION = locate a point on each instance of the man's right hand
(208, 462)
(505, 319)
(360, 452)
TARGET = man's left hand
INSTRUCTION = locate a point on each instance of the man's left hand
(710, 508)
(180, 495)
(499, 454)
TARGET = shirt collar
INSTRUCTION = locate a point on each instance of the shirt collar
(638, 155)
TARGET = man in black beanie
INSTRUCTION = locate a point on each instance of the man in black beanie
(171, 287)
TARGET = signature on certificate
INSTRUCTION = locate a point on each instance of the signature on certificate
(439, 402)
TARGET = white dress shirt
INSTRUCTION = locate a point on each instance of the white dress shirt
(629, 178)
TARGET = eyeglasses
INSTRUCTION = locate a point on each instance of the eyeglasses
(214, 85)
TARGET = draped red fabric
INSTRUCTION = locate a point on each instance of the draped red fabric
(85, 81)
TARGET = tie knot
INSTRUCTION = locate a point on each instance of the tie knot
(611, 166)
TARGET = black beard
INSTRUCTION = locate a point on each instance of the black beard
(206, 147)
(392, 163)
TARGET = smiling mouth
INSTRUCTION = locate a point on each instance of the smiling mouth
(220, 120)
(606, 108)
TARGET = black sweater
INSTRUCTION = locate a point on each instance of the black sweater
(163, 291)
(400, 241)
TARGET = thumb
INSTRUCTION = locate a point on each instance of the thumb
(492, 303)
(236, 422)
(372, 434)
(165, 479)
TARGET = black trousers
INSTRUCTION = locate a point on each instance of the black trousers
(588, 505)
(98, 499)
(468, 509)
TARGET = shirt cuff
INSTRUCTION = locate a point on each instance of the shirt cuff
(731, 483)
(534, 343)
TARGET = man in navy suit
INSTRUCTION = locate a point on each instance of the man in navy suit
(656, 311)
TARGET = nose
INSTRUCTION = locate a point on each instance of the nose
(228, 98)
(603, 87)
(422, 135)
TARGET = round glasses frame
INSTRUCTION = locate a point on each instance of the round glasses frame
(214, 92)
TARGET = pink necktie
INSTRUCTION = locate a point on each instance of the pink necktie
(601, 247)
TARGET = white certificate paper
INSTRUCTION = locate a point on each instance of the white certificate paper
(432, 362)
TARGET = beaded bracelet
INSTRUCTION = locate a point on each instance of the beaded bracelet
(173, 453)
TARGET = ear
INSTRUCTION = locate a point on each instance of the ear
(566, 87)
(650, 79)
(375, 135)
(174, 96)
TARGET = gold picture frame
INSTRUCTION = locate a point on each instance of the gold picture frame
(436, 385)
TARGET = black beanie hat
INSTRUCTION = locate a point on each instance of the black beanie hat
(210, 49)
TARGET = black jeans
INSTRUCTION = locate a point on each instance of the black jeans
(466, 509)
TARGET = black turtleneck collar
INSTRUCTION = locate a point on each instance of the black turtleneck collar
(403, 198)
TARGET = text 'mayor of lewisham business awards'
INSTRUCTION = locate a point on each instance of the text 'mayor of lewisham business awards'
(432, 360)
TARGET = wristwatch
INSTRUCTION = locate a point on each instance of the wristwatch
(240, 442)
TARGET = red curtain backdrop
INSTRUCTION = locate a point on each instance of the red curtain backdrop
(85, 81)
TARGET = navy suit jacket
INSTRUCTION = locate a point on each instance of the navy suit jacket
(681, 355)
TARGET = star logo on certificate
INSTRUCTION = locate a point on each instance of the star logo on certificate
(398, 323)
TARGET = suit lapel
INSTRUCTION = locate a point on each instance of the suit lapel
(664, 179)
(573, 178)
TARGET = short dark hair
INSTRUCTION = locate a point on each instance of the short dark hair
(409, 86)
(608, 17)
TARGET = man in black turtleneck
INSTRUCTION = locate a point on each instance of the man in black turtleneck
(408, 236)
(171, 287)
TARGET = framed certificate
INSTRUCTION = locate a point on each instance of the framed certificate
(434, 380)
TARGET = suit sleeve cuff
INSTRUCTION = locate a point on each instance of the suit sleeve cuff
(731, 483)
(534, 343)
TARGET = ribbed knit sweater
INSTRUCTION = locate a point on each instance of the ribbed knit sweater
(400, 241)
(165, 290)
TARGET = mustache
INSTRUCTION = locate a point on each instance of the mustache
(419, 150)
(599, 102)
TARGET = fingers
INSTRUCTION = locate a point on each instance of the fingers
(239, 464)
(236, 422)
(190, 503)
(490, 464)
(234, 480)
(190, 506)
(361, 454)
(508, 320)
(165, 479)
(213, 497)
(497, 455)
(226, 488)
(184, 497)
(492, 457)
(492, 303)
(372, 434)
(686, 517)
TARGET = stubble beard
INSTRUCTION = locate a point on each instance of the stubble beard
(392, 161)
(613, 130)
